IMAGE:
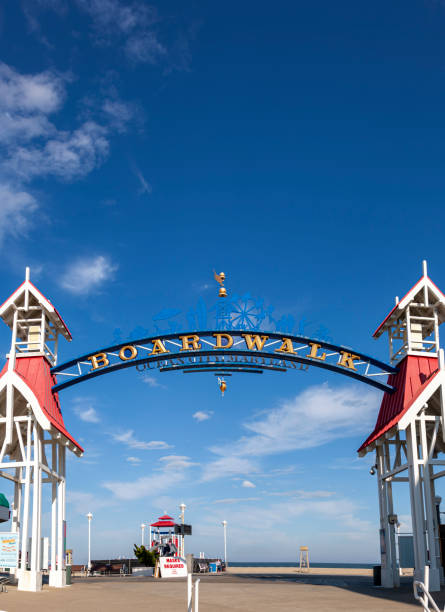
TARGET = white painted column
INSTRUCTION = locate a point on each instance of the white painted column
(22, 584)
(53, 572)
(61, 576)
(430, 510)
(417, 513)
(387, 557)
(391, 526)
(35, 578)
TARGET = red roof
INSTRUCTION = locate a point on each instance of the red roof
(35, 371)
(164, 521)
(414, 374)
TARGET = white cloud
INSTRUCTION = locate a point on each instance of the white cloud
(87, 502)
(228, 465)
(16, 210)
(235, 500)
(151, 381)
(88, 414)
(145, 186)
(247, 484)
(127, 437)
(67, 155)
(131, 23)
(202, 416)
(118, 112)
(86, 275)
(30, 93)
(172, 472)
(133, 460)
(316, 416)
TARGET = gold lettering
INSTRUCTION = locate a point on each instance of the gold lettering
(98, 361)
(255, 341)
(192, 340)
(313, 353)
(133, 352)
(286, 347)
(219, 343)
(158, 347)
(347, 360)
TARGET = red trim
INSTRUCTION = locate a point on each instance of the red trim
(55, 310)
(412, 288)
(35, 372)
(49, 302)
(163, 524)
(414, 375)
(388, 316)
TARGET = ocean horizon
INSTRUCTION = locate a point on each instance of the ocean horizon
(297, 563)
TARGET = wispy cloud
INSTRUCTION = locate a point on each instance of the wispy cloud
(86, 275)
(16, 210)
(130, 24)
(127, 437)
(227, 466)
(316, 416)
(144, 185)
(133, 460)
(151, 381)
(235, 500)
(247, 484)
(85, 410)
(171, 472)
(202, 415)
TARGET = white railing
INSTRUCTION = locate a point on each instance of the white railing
(190, 594)
(423, 596)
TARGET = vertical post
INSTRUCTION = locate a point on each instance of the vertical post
(224, 523)
(417, 514)
(189, 592)
(430, 511)
(386, 552)
(196, 596)
(391, 525)
(26, 496)
(61, 578)
(36, 574)
(9, 387)
(53, 574)
(89, 517)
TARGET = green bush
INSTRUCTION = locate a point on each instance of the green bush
(145, 556)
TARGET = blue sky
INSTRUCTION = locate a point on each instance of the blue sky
(299, 148)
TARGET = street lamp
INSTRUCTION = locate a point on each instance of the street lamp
(224, 524)
(182, 508)
(89, 517)
(143, 526)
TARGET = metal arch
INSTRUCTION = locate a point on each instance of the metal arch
(366, 369)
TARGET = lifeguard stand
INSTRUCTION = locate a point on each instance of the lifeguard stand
(304, 558)
(33, 438)
(409, 434)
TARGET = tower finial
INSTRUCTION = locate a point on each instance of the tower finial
(27, 273)
(425, 268)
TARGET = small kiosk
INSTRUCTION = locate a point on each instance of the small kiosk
(165, 539)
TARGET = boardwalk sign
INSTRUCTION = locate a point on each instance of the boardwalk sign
(224, 353)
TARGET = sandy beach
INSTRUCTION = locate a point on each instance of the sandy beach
(239, 590)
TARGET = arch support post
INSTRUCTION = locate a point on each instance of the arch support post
(388, 552)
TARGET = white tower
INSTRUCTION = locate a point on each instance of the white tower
(33, 438)
(409, 434)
